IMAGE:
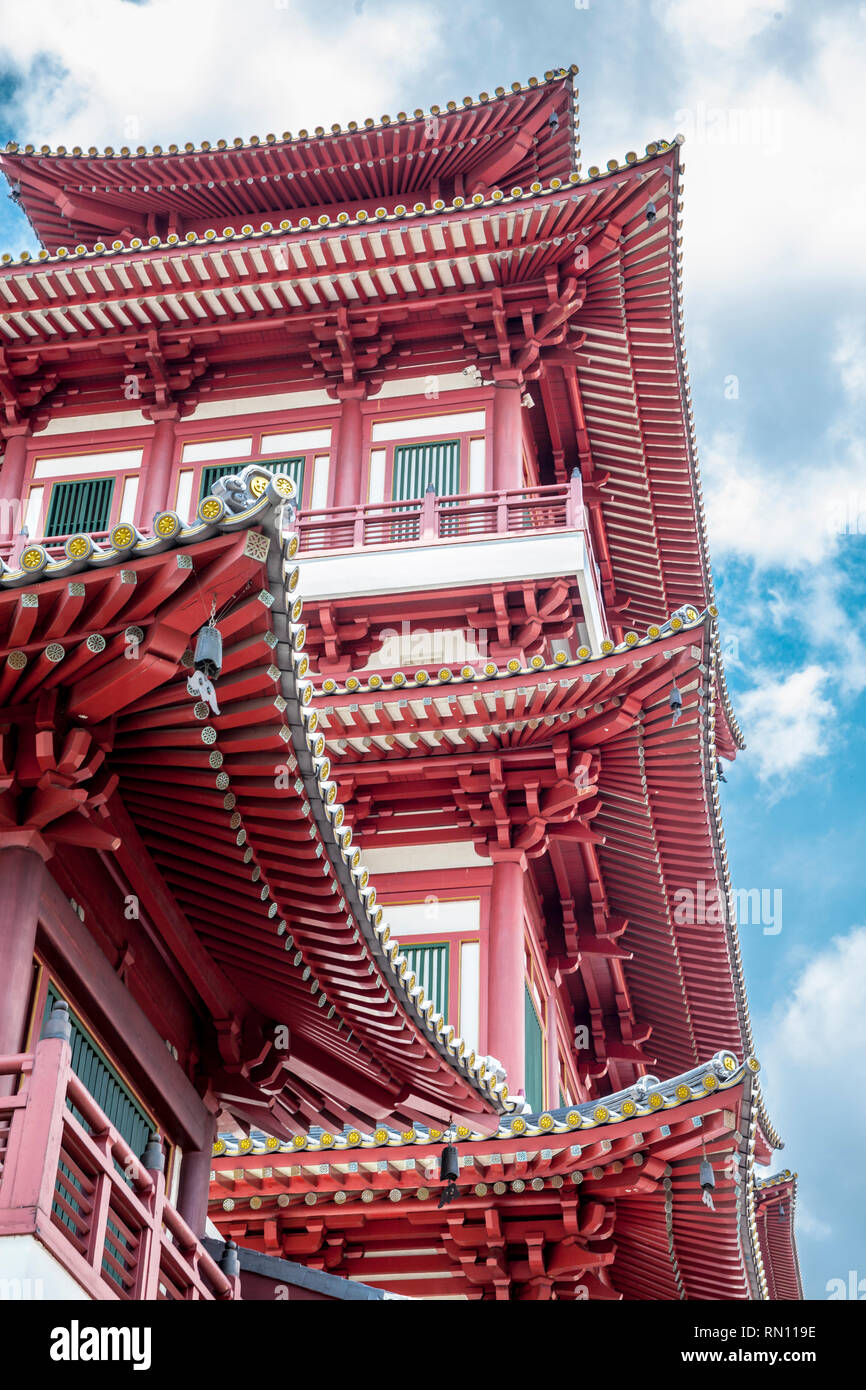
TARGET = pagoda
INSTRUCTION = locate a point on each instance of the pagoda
(352, 530)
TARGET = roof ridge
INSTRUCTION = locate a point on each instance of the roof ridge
(370, 124)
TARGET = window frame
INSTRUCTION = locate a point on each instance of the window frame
(258, 434)
(48, 504)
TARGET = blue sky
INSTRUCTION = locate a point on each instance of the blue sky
(768, 96)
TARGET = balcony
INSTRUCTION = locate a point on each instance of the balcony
(462, 542)
(453, 542)
(80, 1214)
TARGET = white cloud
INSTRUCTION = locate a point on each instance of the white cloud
(812, 1049)
(726, 24)
(808, 1224)
(773, 131)
(821, 1027)
(794, 518)
(781, 519)
(788, 721)
(108, 72)
(850, 357)
(830, 625)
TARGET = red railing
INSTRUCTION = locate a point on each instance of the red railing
(463, 516)
(77, 1186)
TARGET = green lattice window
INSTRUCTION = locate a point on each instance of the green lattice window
(533, 1055)
(416, 466)
(105, 1084)
(83, 504)
(430, 964)
(292, 467)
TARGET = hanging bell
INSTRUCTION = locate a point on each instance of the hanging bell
(449, 1171)
(208, 656)
(708, 1182)
(449, 1164)
(675, 701)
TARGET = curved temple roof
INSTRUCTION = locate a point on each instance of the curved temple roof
(606, 1194)
(527, 134)
(775, 1207)
(675, 961)
(260, 859)
(647, 1097)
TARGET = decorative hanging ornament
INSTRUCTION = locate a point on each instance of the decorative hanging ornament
(449, 1172)
(675, 700)
(708, 1183)
(207, 661)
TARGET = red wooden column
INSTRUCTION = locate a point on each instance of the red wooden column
(155, 485)
(22, 873)
(347, 471)
(192, 1197)
(506, 971)
(507, 436)
(12, 478)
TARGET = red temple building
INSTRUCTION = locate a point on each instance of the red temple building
(352, 535)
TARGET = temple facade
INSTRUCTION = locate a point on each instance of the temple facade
(366, 925)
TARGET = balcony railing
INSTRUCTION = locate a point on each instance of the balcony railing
(69, 1178)
(460, 517)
